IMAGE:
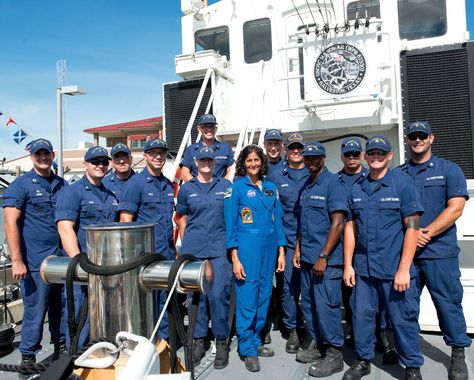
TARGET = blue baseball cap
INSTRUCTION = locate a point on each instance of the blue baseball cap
(351, 144)
(207, 119)
(314, 148)
(38, 144)
(119, 148)
(205, 152)
(418, 126)
(295, 137)
(378, 142)
(273, 134)
(155, 143)
(96, 151)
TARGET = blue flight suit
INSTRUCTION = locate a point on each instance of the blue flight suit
(437, 264)
(151, 200)
(253, 219)
(224, 157)
(276, 166)
(204, 238)
(378, 209)
(35, 196)
(321, 295)
(114, 183)
(289, 184)
(84, 204)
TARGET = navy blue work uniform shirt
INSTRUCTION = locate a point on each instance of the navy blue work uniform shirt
(224, 157)
(378, 210)
(85, 204)
(203, 203)
(151, 200)
(318, 199)
(437, 181)
(114, 183)
(35, 196)
(350, 179)
(276, 166)
(289, 183)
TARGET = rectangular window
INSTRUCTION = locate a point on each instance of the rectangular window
(257, 40)
(136, 144)
(213, 39)
(363, 9)
(419, 19)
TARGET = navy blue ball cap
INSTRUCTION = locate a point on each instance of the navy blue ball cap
(205, 152)
(273, 134)
(351, 144)
(207, 119)
(378, 142)
(418, 126)
(38, 144)
(314, 148)
(119, 148)
(295, 137)
(155, 143)
(94, 152)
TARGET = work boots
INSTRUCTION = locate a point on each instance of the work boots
(59, 349)
(331, 363)
(412, 374)
(198, 351)
(390, 356)
(293, 342)
(358, 369)
(222, 354)
(458, 367)
(252, 363)
(26, 361)
(310, 355)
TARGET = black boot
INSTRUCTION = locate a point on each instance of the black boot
(358, 369)
(252, 363)
(293, 342)
(26, 361)
(265, 352)
(390, 356)
(59, 349)
(458, 367)
(310, 355)
(412, 374)
(331, 363)
(198, 351)
(222, 354)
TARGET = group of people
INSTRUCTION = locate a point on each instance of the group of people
(373, 236)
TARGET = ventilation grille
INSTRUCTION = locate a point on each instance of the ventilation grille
(180, 99)
(435, 87)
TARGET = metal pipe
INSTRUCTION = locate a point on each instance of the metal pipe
(196, 276)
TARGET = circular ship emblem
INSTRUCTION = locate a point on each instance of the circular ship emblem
(340, 69)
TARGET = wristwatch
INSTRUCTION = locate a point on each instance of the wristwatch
(323, 255)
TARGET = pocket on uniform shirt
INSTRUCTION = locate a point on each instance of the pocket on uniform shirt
(151, 203)
(389, 214)
(41, 204)
(456, 290)
(91, 212)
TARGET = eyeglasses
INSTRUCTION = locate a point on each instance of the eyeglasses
(351, 154)
(155, 153)
(99, 161)
(295, 146)
(376, 152)
(415, 136)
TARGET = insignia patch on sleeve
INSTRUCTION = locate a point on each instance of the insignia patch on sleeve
(247, 217)
(228, 193)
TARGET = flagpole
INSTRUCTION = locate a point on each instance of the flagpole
(59, 110)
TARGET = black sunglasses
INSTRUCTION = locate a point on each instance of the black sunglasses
(414, 136)
(99, 161)
(351, 154)
(376, 152)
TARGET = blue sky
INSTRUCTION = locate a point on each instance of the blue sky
(120, 51)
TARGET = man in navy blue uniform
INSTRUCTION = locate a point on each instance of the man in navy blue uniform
(273, 142)
(351, 156)
(148, 197)
(318, 253)
(379, 245)
(290, 179)
(85, 202)
(443, 191)
(122, 169)
(201, 208)
(224, 157)
(32, 236)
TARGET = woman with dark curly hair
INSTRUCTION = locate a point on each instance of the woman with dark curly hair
(255, 236)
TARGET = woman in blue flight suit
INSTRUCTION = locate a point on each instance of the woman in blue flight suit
(255, 235)
(201, 208)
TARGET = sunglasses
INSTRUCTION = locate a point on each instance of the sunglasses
(376, 152)
(351, 154)
(99, 161)
(415, 136)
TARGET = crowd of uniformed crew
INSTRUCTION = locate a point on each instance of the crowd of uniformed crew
(382, 234)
